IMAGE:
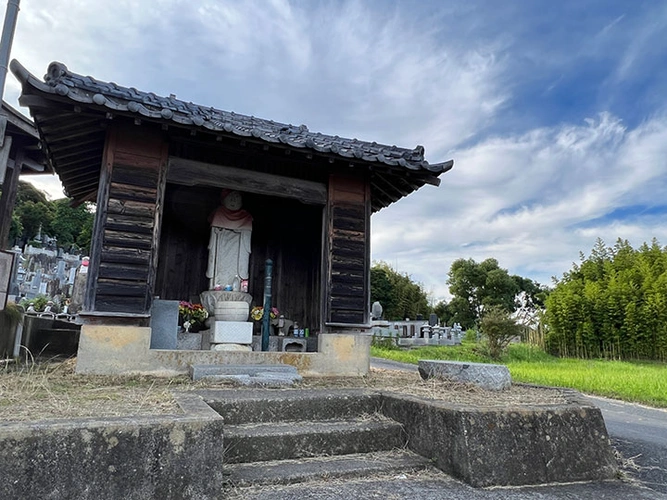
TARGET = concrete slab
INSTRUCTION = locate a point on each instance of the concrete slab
(486, 376)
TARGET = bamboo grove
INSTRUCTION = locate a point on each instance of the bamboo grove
(613, 304)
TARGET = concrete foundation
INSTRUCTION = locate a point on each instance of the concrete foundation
(171, 457)
(115, 350)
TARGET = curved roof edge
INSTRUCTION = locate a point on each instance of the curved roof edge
(61, 82)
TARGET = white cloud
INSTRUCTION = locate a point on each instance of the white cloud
(522, 200)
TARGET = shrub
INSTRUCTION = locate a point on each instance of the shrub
(499, 329)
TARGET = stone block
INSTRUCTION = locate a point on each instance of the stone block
(198, 372)
(231, 347)
(189, 341)
(486, 376)
(231, 332)
(293, 344)
(164, 324)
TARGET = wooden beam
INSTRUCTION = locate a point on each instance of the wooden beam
(196, 173)
(8, 199)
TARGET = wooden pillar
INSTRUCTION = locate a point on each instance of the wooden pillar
(8, 199)
(126, 235)
(347, 294)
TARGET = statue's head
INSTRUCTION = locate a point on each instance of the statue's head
(232, 201)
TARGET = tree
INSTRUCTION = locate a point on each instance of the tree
(68, 223)
(33, 216)
(70, 226)
(400, 297)
(476, 286)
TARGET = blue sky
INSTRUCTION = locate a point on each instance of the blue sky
(555, 113)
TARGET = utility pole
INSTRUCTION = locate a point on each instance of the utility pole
(5, 49)
(6, 42)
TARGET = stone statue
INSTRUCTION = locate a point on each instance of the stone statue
(229, 246)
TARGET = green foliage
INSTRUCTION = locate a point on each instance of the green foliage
(69, 223)
(33, 216)
(39, 303)
(498, 329)
(28, 192)
(70, 226)
(385, 343)
(16, 228)
(476, 286)
(470, 336)
(613, 304)
(400, 297)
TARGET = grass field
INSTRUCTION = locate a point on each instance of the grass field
(635, 381)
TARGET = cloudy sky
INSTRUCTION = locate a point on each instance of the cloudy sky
(555, 113)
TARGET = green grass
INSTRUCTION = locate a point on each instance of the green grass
(635, 381)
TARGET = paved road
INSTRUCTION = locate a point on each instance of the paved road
(637, 432)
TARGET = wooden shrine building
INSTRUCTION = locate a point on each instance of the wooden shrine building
(155, 166)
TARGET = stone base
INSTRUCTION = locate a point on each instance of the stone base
(231, 332)
(261, 375)
(486, 376)
(231, 347)
(189, 341)
(116, 350)
(282, 344)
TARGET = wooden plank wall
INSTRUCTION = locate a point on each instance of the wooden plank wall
(124, 254)
(184, 242)
(290, 234)
(348, 262)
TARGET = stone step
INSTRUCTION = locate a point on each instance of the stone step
(288, 440)
(310, 469)
(246, 406)
(259, 375)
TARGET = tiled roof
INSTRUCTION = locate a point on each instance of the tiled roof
(87, 90)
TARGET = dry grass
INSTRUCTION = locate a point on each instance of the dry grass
(451, 392)
(49, 389)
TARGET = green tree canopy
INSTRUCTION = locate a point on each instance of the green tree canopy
(400, 297)
(479, 286)
(70, 226)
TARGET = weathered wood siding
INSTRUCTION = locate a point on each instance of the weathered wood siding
(348, 257)
(127, 225)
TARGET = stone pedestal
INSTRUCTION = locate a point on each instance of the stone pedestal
(231, 332)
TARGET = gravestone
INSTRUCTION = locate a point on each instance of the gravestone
(164, 324)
